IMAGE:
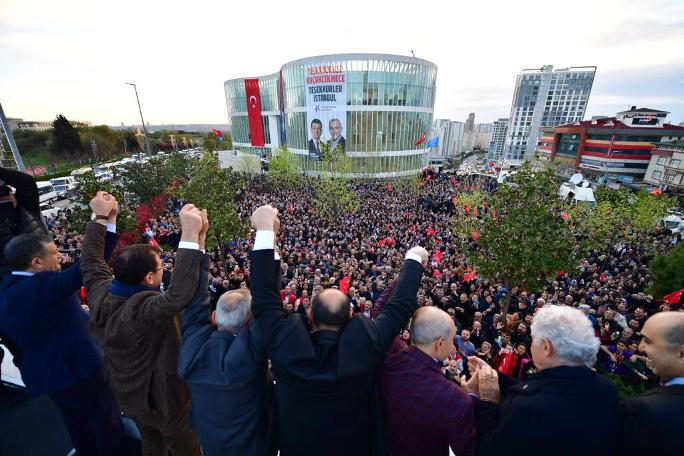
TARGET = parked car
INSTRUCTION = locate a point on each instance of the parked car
(64, 186)
(49, 210)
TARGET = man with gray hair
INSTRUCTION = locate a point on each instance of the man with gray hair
(424, 412)
(223, 362)
(560, 403)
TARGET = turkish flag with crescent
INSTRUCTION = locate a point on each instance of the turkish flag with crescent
(256, 127)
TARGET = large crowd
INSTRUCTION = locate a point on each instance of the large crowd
(363, 255)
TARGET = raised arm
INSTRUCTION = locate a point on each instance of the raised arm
(196, 316)
(97, 276)
(186, 271)
(267, 307)
(404, 300)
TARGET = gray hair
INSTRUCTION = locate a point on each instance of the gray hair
(569, 331)
(429, 324)
(233, 309)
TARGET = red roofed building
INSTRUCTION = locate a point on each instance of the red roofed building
(618, 146)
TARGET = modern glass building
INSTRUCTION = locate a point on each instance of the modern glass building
(382, 104)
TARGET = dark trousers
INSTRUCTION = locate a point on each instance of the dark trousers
(161, 433)
(92, 416)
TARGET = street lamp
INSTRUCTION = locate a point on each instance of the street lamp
(147, 142)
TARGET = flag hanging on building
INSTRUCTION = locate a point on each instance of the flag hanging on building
(256, 127)
(434, 142)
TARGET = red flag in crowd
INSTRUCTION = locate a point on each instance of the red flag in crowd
(437, 256)
(564, 216)
(421, 139)
(153, 242)
(468, 276)
(430, 231)
(344, 284)
(475, 235)
(674, 297)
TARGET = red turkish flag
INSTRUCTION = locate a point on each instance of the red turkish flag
(430, 231)
(344, 284)
(153, 242)
(475, 235)
(256, 127)
(468, 276)
(674, 297)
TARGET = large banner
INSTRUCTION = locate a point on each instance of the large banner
(326, 110)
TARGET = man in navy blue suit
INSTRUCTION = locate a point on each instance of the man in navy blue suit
(43, 318)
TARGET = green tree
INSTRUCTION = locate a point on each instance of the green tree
(144, 181)
(522, 239)
(212, 189)
(667, 272)
(284, 169)
(333, 192)
(65, 139)
(647, 209)
(88, 186)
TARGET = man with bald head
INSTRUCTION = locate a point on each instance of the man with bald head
(223, 362)
(424, 412)
(325, 381)
(651, 422)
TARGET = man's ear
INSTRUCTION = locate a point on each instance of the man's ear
(213, 318)
(149, 278)
(37, 263)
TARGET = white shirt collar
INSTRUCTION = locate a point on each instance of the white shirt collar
(675, 381)
(23, 273)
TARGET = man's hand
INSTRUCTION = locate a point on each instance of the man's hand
(103, 204)
(205, 228)
(421, 252)
(489, 384)
(471, 386)
(265, 218)
(191, 223)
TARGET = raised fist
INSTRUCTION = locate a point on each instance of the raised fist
(191, 219)
(264, 218)
(421, 252)
(103, 204)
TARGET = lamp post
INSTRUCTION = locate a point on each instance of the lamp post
(147, 142)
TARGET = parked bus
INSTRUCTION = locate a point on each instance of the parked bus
(46, 192)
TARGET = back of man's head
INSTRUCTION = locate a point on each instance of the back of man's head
(22, 249)
(133, 263)
(330, 309)
(233, 310)
(429, 324)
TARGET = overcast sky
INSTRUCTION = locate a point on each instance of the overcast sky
(73, 57)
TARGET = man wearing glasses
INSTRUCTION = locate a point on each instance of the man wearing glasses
(137, 325)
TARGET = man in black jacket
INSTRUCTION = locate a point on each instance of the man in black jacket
(557, 406)
(651, 422)
(325, 396)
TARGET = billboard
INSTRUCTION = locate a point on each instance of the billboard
(326, 110)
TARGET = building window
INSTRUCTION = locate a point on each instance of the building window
(657, 175)
(669, 177)
(675, 162)
(662, 160)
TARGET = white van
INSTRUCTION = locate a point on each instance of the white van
(46, 192)
(64, 185)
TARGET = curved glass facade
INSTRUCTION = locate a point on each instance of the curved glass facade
(389, 105)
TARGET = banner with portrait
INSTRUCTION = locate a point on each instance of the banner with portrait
(326, 110)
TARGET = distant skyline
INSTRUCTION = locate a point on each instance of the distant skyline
(73, 57)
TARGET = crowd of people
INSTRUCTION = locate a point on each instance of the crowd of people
(477, 368)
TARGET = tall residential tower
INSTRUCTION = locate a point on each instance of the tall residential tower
(545, 97)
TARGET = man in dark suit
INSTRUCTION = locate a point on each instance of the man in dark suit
(138, 328)
(42, 318)
(336, 138)
(551, 412)
(651, 422)
(223, 362)
(325, 394)
(315, 141)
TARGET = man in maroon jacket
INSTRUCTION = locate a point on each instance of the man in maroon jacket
(425, 413)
